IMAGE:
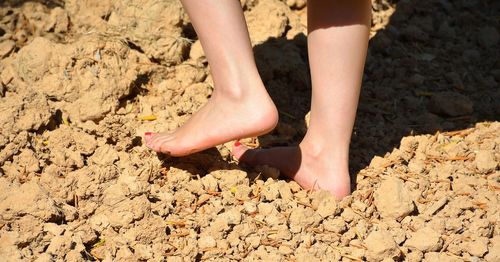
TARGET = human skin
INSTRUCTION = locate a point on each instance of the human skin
(240, 105)
(338, 32)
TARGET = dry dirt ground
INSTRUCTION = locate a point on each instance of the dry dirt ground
(81, 80)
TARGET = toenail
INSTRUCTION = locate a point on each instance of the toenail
(147, 134)
(237, 143)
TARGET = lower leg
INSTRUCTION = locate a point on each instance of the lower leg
(239, 106)
(337, 44)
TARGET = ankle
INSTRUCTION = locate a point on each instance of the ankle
(239, 86)
(319, 151)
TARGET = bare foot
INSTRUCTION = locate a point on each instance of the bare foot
(224, 118)
(310, 170)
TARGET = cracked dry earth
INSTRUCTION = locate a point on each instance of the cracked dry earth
(80, 82)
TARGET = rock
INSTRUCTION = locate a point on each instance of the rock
(230, 178)
(393, 200)
(296, 4)
(438, 256)
(381, 245)
(285, 191)
(450, 104)
(436, 206)
(29, 198)
(478, 247)
(6, 47)
(232, 217)
(143, 252)
(28, 161)
(53, 229)
(488, 36)
(485, 160)
(271, 192)
(45, 257)
(327, 207)
(267, 19)
(209, 183)
(250, 207)
(104, 155)
(196, 52)
(74, 256)
(59, 21)
(379, 162)
(59, 245)
(337, 225)
(494, 251)
(425, 240)
(300, 218)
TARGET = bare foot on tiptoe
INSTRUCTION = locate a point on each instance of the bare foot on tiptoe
(224, 118)
(310, 170)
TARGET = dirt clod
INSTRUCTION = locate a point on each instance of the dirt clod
(425, 239)
(381, 245)
(393, 200)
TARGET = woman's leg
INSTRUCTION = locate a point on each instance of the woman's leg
(337, 45)
(240, 105)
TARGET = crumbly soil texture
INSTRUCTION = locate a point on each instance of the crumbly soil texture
(82, 80)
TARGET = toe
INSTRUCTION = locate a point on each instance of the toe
(147, 137)
(239, 150)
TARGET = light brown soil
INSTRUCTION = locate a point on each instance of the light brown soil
(80, 82)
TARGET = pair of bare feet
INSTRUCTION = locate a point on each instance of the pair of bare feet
(231, 117)
(240, 106)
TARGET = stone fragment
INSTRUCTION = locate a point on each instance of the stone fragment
(327, 207)
(485, 160)
(393, 200)
(271, 192)
(29, 198)
(196, 52)
(53, 229)
(381, 245)
(436, 206)
(300, 218)
(425, 240)
(478, 247)
(6, 48)
(450, 104)
(296, 4)
(285, 191)
(143, 252)
(336, 225)
(438, 257)
(267, 19)
(494, 250)
(379, 162)
(250, 207)
(232, 217)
